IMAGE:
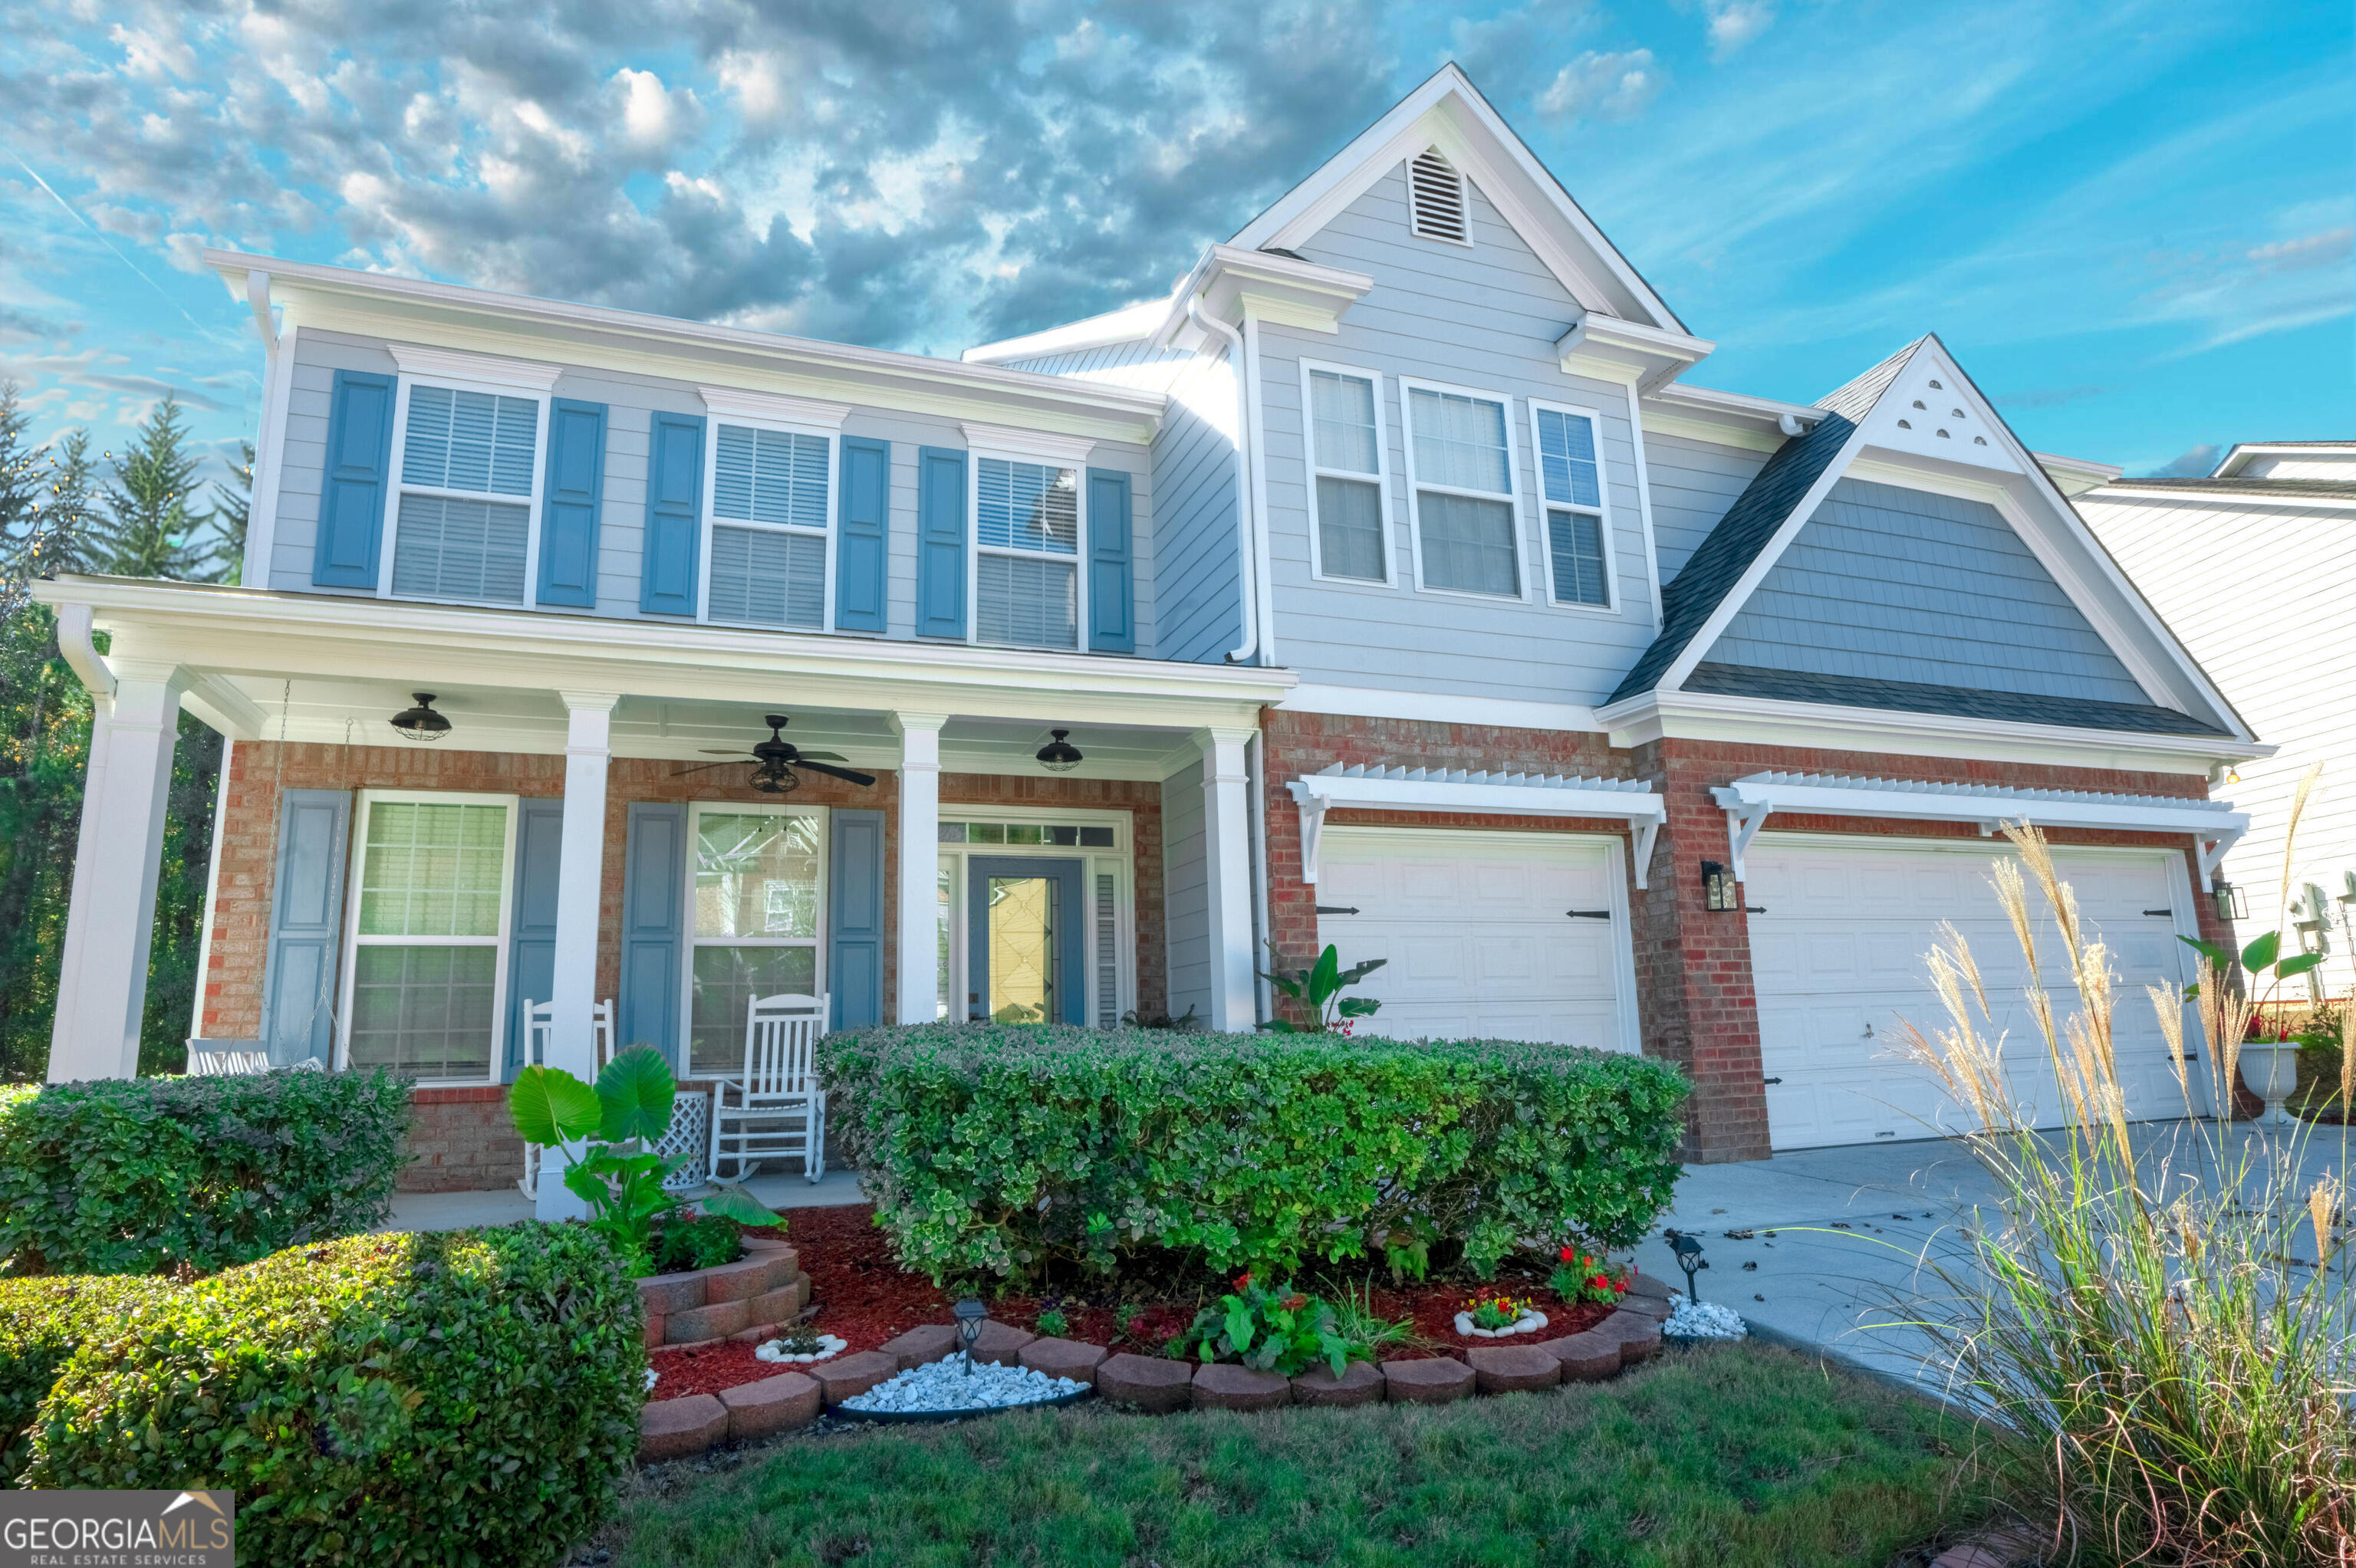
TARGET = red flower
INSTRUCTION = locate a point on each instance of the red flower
(1242, 1281)
(1295, 1302)
(1565, 1254)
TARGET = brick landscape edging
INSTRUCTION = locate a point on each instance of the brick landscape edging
(751, 1298)
(675, 1428)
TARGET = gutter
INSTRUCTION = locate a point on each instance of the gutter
(75, 624)
(1246, 523)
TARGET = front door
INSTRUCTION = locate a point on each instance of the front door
(1025, 959)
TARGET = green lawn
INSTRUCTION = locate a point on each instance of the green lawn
(1728, 1457)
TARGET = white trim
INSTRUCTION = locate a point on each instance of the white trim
(355, 880)
(1602, 511)
(270, 456)
(1750, 801)
(1643, 502)
(794, 426)
(2220, 498)
(775, 410)
(1027, 445)
(477, 372)
(212, 881)
(1317, 469)
(1078, 558)
(816, 942)
(1263, 549)
(1476, 793)
(1512, 495)
(390, 546)
(1372, 702)
(1121, 859)
(1711, 434)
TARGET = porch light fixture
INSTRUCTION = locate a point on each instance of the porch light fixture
(1718, 893)
(2229, 902)
(1688, 1251)
(969, 1314)
(421, 722)
(1059, 756)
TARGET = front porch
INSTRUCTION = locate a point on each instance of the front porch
(591, 826)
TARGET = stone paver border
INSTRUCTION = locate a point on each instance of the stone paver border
(749, 1299)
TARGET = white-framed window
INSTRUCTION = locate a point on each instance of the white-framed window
(1575, 517)
(1100, 840)
(1460, 473)
(771, 465)
(1027, 587)
(469, 435)
(1349, 472)
(426, 973)
(755, 919)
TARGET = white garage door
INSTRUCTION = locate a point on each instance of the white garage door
(1837, 957)
(1480, 933)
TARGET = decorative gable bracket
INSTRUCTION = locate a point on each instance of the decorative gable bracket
(1479, 794)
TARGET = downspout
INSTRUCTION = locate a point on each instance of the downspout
(1247, 577)
(1256, 841)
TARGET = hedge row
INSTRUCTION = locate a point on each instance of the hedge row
(466, 1397)
(42, 1323)
(132, 1176)
(993, 1149)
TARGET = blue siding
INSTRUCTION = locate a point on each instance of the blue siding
(1898, 584)
(1197, 587)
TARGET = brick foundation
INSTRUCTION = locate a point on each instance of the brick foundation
(460, 1140)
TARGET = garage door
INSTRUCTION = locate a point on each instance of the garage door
(1836, 957)
(1487, 935)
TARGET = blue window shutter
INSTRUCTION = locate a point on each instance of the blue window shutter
(568, 510)
(654, 910)
(352, 490)
(940, 542)
(862, 535)
(1112, 583)
(532, 934)
(855, 939)
(674, 537)
(306, 920)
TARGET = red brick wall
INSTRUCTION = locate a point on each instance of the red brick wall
(460, 1140)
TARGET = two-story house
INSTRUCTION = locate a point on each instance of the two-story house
(1391, 584)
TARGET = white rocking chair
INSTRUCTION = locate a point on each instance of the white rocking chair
(229, 1058)
(538, 1023)
(690, 1115)
(776, 1109)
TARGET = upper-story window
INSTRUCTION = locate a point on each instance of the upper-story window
(1350, 489)
(771, 510)
(1026, 587)
(467, 473)
(1460, 475)
(1578, 526)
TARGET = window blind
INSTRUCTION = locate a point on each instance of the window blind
(769, 577)
(1349, 528)
(448, 548)
(1027, 602)
(1028, 505)
(770, 476)
(1468, 544)
(1341, 408)
(1575, 539)
(469, 441)
(1460, 442)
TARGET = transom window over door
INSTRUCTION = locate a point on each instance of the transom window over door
(1461, 465)
(427, 962)
(1026, 565)
(1345, 454)
(468, 484)
(758, 905)
(769, 511)
(1570, 482)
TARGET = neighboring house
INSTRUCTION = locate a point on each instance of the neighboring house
(2251, 565)
(1457, 629)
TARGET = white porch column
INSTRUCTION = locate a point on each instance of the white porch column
(919, 885)
(111, 913)
(580, 885)
(1227, 855)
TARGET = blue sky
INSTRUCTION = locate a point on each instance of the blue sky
(2131, 221)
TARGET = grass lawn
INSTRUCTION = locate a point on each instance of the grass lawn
(1729, 1456)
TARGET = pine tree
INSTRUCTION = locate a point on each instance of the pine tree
(149, 531)
(70, 536)
(232, 509)
(21, 470)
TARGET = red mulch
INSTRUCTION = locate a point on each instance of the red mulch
(862, 1297)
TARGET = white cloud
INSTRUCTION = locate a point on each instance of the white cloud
(652, 116)
(1613, 86)
(2196, 463)
(1734, 23)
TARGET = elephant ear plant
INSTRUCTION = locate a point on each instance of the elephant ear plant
(1318, 991)
(618, 1174)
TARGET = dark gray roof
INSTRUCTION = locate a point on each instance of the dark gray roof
(1959, 702)
(2250, 489)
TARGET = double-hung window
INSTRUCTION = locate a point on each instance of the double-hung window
(772, 484)
(1028, 589)
(426, 968)
(756, 906)
(468, 435)
(1461, 473)
(1570, 487)
(1349, 483)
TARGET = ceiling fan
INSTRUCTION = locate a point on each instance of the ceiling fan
(774, 760)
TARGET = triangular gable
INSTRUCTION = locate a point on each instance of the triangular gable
(1918, 405)
(1450, 113)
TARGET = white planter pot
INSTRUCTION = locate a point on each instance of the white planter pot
(2270, 1069)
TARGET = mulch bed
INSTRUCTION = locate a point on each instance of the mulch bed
(862, 1297)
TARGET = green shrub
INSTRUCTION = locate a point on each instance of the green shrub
(995, 1150)
(704, 1241)
(42, 1323)
(466, 1397)
(130, 1176)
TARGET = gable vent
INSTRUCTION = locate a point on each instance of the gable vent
(1435, 199)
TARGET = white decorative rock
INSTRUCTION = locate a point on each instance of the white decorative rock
(775, 1349)
(1528, 1323)
(651, 1376)
(1703, 1320)
(953, 1385)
